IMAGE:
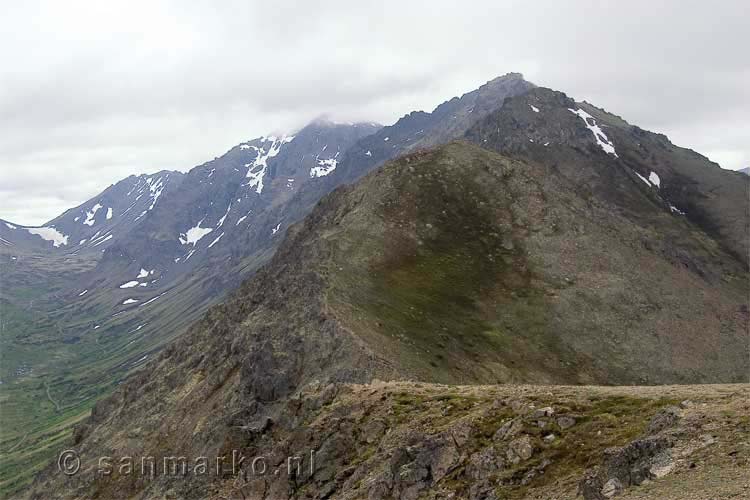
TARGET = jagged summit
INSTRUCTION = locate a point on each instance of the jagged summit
(548, 127)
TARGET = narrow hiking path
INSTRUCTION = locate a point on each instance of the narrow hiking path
(57, 405)
(23, 438)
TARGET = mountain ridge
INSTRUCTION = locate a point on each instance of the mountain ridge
(353, 294)
(506, 263)
(107, 313)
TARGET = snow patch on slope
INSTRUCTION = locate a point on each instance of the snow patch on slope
(243, 218)
(216, 240)
(90, 215)
(109, 237)
(49, 234)
(257, 169)
(221, 221)
(601, 138)
(654, 179)
(324, 167)
(194, 234)
(152, 299)
(643, 179)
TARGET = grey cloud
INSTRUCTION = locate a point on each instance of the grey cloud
(95, 91)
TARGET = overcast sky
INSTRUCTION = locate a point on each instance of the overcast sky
(93, 91)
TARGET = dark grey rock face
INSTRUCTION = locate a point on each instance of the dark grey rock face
(600, 153)
(96, 224)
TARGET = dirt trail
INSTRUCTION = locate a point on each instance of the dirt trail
(57, 405)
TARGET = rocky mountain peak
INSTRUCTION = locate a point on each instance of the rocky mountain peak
(601, 152)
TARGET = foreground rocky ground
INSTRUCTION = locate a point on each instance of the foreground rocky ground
(408, 441)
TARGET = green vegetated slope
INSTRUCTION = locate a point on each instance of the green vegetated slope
(54, 363)
(465, 266)
(34, 417)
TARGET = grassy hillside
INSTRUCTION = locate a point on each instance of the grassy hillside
(466, 266)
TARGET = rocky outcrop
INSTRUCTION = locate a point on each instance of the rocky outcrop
(630, 465)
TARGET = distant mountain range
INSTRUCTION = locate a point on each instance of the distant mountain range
(513, 235)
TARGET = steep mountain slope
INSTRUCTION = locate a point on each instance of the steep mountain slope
(745, 171)
(597, 151)
(171, 255)
(451, 265)
(97, 223)
(418, 129)
(131, 272)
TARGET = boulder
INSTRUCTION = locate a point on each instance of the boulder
(565, 422)
(520, 449)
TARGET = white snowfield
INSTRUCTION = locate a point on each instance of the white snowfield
(601, 138)
(652, 181)
(324, 167)
(129, 284)
(90, 215)
(534, 108)
(129, 301)
(155, 187)
(194, 234)
(257, 169)
(49, 234)
(654, 178)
